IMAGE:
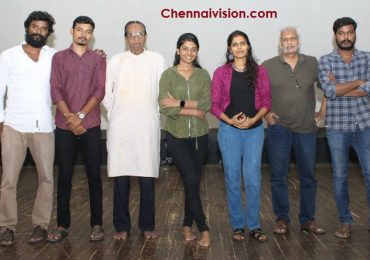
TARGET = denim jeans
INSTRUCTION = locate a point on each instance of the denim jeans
(280, 142)
(121, 201)
(189, 155)
(339, 143)
(66, 149)
(241, 155)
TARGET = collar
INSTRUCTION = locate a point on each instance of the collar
(70, 49)
(356, 52)
(301, 58)
(137, 55)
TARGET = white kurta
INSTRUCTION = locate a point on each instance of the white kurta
(133, 134)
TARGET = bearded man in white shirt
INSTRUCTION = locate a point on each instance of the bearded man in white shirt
(26, 122)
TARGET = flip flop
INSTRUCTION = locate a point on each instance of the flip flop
(57, 235)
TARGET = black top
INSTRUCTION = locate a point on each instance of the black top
(242, 97)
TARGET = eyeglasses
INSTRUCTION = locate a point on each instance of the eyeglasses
(138, 35)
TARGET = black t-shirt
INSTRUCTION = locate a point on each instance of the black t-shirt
(242, 97)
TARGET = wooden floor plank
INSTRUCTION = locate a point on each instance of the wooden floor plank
(169, 216)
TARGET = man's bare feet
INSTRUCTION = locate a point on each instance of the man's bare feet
(205, 241)
(150, 234)
(121, 235)
(188, 234)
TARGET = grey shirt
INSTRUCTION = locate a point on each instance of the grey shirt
(293, 92)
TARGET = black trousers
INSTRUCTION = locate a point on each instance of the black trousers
(66, 149)
(121, 212)
(189, 155)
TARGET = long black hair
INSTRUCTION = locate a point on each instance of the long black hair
(252, 66)
(183, 38)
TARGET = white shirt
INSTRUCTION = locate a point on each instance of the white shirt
(131, 99)
(27, 84)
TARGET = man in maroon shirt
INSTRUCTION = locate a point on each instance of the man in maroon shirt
(77, 87)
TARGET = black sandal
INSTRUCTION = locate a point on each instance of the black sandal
(258, 235)
(7, 237)
(38, 234)
(238, 235)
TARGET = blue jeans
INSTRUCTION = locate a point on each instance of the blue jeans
(241, 154)
(280, 142)
(339, 143)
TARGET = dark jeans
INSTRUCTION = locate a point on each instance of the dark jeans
(189, 155)
(121, 213)
(280, 142)
(66, 149)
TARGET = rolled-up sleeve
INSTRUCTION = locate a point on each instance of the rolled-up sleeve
(366, 87)
(164, 88)
(204, 102)
(3, 83)
(327, 86)
(100, 75)
(55, 81)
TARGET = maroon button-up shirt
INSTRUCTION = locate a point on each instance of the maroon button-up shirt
(75, 80)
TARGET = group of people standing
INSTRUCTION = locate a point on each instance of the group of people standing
(135, 87)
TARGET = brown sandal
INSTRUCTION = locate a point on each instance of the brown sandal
(238, 235)
(281, 227)
(344, 231)
(258, 235)
(312, 227)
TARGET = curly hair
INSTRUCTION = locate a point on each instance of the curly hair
(40, 16)
(251, 72)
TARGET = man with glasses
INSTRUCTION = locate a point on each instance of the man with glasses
(344, 77)
(133, 137)
(291, 125)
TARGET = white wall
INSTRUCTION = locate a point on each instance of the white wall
(313, 18)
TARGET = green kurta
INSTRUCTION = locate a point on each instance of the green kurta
(197, 87)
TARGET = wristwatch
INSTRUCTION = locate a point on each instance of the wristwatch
(182, 103)
(81, 115)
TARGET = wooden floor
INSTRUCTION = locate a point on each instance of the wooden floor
(169, 212)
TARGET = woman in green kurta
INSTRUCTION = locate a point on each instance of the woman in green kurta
(185, 98)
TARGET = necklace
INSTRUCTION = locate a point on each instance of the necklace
(239, 69)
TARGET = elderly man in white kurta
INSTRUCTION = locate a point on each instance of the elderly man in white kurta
(133, 139)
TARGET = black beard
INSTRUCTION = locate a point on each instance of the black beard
(36, 42)
(346, 48)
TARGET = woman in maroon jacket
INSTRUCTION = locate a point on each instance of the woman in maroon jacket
(240, 99)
